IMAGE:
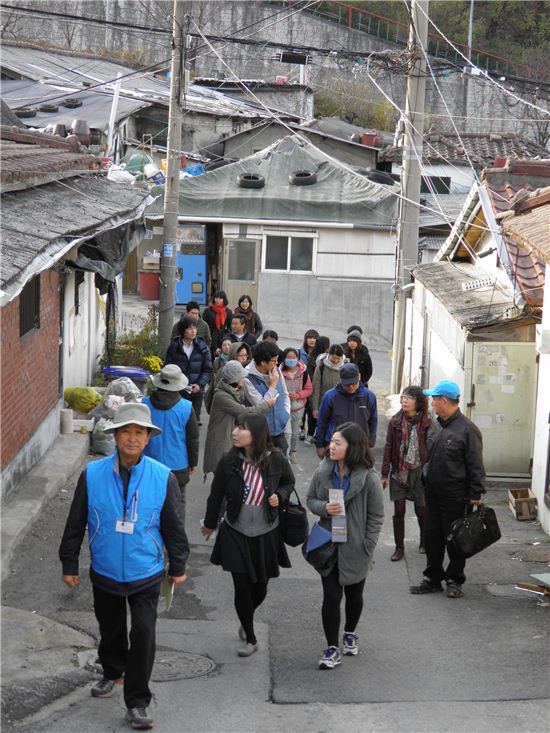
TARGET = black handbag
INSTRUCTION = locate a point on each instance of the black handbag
(473, 532)
(322, 555)
(293, 522)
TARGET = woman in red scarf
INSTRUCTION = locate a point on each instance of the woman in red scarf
(218, 316)
(408, 441)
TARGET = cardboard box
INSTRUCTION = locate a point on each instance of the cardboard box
(523, 504)
(151, 263)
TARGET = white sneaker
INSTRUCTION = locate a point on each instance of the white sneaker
(331, 658)
(293, 458)
(350, 646)
(308, 440)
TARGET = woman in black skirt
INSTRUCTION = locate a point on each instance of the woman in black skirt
(255, 479)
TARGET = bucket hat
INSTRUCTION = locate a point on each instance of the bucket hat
(133, 413)
(233, 372)
(444, 388)
(172, 379)
(349, 374)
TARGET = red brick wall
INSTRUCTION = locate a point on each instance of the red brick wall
(29, 379)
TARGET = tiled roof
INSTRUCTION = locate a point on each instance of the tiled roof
(31, 159)
(527, 238)
(481, 149)
(508, 177)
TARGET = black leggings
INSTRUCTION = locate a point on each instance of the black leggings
(248, 596)
(332, 597)
(400, 507)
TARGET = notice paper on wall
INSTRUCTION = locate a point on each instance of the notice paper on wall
(339, 522)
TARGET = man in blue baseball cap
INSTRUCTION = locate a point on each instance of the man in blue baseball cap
(454, 478)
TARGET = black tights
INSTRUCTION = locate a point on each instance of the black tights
(332, 596)
(400, 506)
(248, 596)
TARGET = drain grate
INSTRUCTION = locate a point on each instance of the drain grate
(171, 666)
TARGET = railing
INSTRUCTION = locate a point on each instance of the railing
(396, 32)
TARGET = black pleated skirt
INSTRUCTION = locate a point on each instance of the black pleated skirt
(259, 557)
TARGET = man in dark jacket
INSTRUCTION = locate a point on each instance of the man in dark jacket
(455, 480)
(130, 504)
(349, 401)
(193, 357)
(178, 445)
(238, 331)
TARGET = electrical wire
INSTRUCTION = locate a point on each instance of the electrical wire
(481, 71)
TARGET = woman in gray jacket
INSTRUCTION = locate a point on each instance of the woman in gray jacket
(225, 408)
(348, 469)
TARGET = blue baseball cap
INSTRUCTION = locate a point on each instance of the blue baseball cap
(444, 388)
(349, 374)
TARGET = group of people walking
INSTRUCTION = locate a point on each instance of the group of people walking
(261, 401)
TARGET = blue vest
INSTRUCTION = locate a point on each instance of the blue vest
(126, 557)
(170, 447)
(277, 416)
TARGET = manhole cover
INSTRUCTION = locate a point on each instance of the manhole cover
(534, 554)
(180, 666)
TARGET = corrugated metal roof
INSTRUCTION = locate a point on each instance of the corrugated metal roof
(338, 195)
(70, 70)
(32, 239)
(471, 308)
(95, 109)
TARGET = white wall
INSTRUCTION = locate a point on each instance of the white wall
(540, 454)
(461, 176)
(83, 333)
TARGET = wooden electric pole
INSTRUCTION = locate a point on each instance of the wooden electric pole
(407, 228)
(178, 87)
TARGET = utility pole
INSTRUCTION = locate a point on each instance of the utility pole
(407, 228)
(470, 29)
(178, 86)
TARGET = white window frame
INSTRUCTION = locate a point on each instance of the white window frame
(314, 236)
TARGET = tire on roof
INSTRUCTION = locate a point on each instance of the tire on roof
(72, 102)
(250, 180)
(48, 108)
(24, 112)
(302, 178)
(381, 177)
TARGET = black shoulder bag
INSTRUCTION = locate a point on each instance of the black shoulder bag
(473, 532)
(293, 522)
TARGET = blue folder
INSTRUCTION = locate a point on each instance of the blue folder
(318, 537)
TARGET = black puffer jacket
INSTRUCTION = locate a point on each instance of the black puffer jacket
(455, 469)
(228, 483)
(197, 367)
(362, 358)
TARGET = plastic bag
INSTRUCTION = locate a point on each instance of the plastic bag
(102, 442)
(82, 399)
(109, 406)
(124, 387)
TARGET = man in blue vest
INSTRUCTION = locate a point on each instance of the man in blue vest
(130, 504)
(264, 381)
(178, 445)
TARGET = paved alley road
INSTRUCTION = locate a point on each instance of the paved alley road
(478, 663)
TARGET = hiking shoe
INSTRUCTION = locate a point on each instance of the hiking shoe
(349, 644)
(331, 658)
(454, 590)
(105, 687)
(139, 719)
(425, 587)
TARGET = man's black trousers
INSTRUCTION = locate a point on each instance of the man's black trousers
(135, 659)
(440, 514)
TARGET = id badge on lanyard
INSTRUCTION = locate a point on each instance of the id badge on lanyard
(126, 525)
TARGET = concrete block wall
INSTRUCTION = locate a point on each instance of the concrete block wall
(29, 379)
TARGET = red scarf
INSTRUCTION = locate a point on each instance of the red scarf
(221, 315)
